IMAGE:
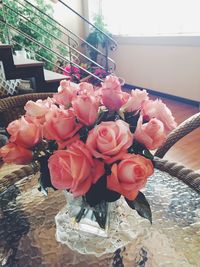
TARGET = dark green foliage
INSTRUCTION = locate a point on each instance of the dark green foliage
(83, 132)
(132, 118)
(99, 192)
(96, 38)
(44, 180)
(138, 148)
(141, 205)
(147, 154)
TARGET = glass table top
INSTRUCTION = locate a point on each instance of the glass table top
(27, 228)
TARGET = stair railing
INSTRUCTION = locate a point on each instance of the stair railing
(54, 22)
(73, 34)
(66, 44)
(72, 43)
(50, 50)
(108, 39)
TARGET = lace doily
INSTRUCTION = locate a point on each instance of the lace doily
(125, 226)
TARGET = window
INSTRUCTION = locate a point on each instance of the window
(149, 17)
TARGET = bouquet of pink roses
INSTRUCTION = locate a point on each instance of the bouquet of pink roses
(93, 143)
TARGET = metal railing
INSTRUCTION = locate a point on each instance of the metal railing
(71, 45)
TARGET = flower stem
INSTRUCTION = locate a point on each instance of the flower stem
(80, 214)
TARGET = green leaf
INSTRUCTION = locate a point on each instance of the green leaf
(42, 189)
(100, 219)
(147, 154)
(83, 132)
(111, 196)
(100, 213)
(80, 214)
(136, 148)
(132, 118)
(141, 205)
(44, 180)
(96, 192)
(102, 116)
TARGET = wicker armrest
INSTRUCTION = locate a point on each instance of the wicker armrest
(183, 129)
(188, 176)
(12, 107)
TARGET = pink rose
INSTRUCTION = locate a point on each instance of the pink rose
(64, 84)
(24, 133)
(65, 94)
(86, 109)
(85, 88)
(68, 142)
(38, 108)
(157, 109)
(88, 89)
(130, 175)
(112, 96)
(151, 134)
(60, 125)
(135, 100)
(13, 153)
(112, 83)
(109, 140)
(36, 111)
(75, 169)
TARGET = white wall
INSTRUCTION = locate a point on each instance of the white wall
(170, 66)
(67, 18)
(165, 64)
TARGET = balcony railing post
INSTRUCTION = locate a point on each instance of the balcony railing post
(106, 48)
(70, 57)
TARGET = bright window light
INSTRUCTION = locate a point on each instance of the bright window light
(149, 17)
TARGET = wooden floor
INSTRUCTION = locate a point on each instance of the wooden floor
(187, 150)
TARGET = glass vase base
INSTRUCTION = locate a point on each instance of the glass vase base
(124, 226)
(89, 227)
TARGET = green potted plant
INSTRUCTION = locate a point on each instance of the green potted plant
(96, 38)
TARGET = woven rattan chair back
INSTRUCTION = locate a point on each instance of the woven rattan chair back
(187, 175)
(182, 130)
(12, 107)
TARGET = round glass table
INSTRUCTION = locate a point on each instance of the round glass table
(27, 228)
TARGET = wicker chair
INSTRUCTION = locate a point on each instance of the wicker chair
(12, 108)
(188, 176)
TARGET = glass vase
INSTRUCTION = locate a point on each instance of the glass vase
(98, 230)
(83, 217)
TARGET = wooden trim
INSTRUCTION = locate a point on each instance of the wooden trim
(5, 46)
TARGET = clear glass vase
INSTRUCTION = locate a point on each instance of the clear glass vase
(78, 226)
(83, 217)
